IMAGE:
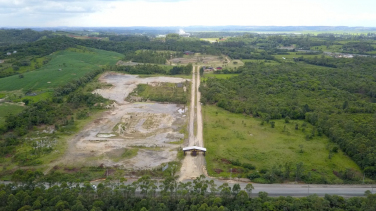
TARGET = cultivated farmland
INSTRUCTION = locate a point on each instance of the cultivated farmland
(65, 66)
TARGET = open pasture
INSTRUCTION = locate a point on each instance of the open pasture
(231, 137)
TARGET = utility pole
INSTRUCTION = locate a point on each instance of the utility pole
(230, 173)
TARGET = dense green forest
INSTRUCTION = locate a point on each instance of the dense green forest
(16, 36)
(339, 102)
(201, 194)
(152, 56)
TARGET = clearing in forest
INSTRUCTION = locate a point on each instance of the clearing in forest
(235, 139)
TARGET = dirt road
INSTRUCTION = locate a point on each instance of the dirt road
(199, 137)
(193, 166)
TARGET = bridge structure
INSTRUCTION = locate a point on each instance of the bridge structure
(194, 150)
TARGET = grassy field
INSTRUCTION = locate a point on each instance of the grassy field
(64, 67)
(230, 137)
(6, 109)
(164, 92)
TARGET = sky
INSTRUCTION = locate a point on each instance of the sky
(122, 13)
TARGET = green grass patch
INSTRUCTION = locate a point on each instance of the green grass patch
(77, 174)
(152, 148)
(163, 92)
(129, 153)
(65, 66)
(235, 137)
(6, 109)
(39, 97)
(177, 142)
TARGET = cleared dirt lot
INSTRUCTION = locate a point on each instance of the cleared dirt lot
(196, 59)
(147, 127)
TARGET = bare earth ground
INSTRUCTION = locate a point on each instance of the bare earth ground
(147, 126)
(194, 166)
(194, 59)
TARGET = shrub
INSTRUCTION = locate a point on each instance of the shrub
(254, 175)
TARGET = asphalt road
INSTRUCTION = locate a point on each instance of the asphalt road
(302, 189)
(297, 190)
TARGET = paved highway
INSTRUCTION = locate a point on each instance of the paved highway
(302, 189)
(297, 190)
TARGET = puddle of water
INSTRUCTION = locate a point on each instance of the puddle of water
(182, 111)
(105, 135)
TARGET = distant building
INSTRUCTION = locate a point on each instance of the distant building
(1, 61)
(182, 33)
(218, 68)
(9, 53)
(208, 69)
(14, 51)
(161, 36)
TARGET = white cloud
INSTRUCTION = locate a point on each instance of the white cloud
(183, 13)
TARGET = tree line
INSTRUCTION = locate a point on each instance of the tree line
(147, 194)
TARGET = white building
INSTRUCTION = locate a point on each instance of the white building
(182, 33)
